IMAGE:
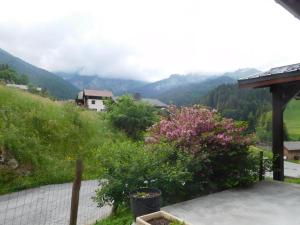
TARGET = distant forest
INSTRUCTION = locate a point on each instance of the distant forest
(240, 104)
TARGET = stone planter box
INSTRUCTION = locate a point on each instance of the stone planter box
(142, 220)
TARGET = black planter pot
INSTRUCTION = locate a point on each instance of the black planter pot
(142, 205)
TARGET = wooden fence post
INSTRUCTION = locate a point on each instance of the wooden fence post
(261, 165)
(75, 192)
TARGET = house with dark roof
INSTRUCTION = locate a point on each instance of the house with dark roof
(292, 150)
(93, 99)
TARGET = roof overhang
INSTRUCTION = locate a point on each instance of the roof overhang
(293, 6)
(274, 76)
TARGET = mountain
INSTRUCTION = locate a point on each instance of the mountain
(190, 94)
(158, 88)
(56, 86)
(117, 86)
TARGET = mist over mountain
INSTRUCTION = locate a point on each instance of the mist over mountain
(176, 89)
(117, 86)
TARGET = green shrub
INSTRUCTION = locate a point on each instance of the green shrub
(133, 117)
(128, 166)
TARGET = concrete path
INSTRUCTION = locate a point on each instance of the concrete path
(266, 203)
(50, 205)
(290, 170)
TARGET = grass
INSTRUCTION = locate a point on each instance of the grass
(292, 180)
(292, 119)
(46, 137)
(123, 216)
(256, 150)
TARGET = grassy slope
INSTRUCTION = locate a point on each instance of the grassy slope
(46, 137)
(292, 119)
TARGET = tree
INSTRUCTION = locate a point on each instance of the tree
(134, 117)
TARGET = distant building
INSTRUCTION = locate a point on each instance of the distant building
(23, 87)
(292, 150)
(19, 86)
(151, 101)
(93, 99)
(155, 103)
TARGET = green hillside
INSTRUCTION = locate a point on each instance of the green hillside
(45, 138)
(57, 86)
(292, 119)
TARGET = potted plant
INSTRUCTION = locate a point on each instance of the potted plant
(144, 201)
(159, 218)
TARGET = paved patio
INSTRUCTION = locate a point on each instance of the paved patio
(265, 203)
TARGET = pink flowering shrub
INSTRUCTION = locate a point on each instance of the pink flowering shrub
(218, 145)
(195, 129)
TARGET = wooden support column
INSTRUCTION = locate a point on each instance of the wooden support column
(281, 95)
(278, 164)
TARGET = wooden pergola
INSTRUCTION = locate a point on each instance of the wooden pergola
(284, 84)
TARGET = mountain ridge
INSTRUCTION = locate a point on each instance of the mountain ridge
(57, 86)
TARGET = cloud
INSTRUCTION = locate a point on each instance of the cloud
(149, 40)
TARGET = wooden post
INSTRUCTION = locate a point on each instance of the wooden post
(75, 192)
(261, 165)
(278, 164)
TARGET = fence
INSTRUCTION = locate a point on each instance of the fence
(50, 205)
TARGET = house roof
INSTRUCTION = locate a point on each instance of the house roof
(97, 93)
(292, 145)
(151, 101)
(155, 102)
(277, 75)
(293, 6)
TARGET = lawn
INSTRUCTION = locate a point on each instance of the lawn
(292, 119)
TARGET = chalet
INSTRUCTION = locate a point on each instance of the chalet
(292, 150)
(93, 99)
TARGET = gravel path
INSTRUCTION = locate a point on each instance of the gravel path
(50, 205)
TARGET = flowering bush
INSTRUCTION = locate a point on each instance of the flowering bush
(218, 146)
(195, 129)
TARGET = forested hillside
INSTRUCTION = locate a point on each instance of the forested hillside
(56, 86)
(191, 94)
(239, 104)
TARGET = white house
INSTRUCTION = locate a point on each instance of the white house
(93, 99)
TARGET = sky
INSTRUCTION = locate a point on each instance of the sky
(149, 39)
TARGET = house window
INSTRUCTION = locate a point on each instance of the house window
(93, 102)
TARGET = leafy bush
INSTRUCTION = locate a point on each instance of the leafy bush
(134, 117)
(128, 166)
(218, 145)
